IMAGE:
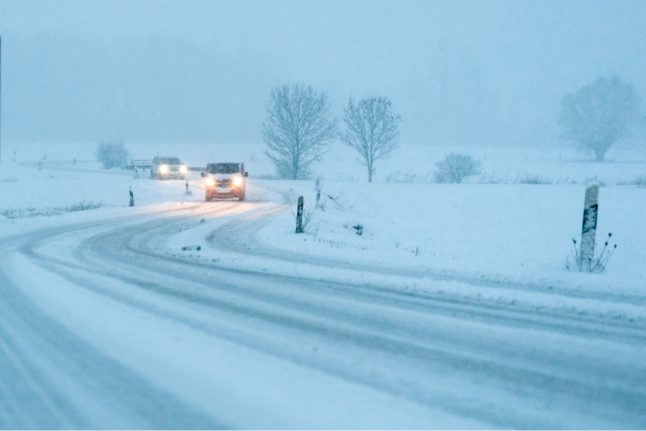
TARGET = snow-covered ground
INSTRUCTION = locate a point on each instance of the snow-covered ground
(409, 163)
(453, 308)
(519, 232)
(501, 229)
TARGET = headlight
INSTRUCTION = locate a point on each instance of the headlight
(183, 169)
(237, 181)
(163, 169)
(210, 182)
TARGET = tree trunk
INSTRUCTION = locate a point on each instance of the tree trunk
(598, 155)
(600, 148)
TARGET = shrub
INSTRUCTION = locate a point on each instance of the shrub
(15, 213)
(526, 178)
(640, 181)
(598, 263)
(112, 154)
(408, 177)
(456, 167)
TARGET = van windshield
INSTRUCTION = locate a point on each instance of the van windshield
(223, 168)
(169, 160)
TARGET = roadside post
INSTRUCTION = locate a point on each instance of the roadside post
(589, 225)
(188, 191)
(132, 197)
(318, 192)
(299, 215)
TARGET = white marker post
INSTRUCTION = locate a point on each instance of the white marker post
(299, 215)
(589, 225)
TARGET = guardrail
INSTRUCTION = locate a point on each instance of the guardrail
(139, 164)
(146, 164)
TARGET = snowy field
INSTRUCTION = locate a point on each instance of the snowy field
(452, 308)
(414, 163)
(500, 224)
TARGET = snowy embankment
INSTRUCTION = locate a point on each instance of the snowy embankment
(62, 193)
(520, 232)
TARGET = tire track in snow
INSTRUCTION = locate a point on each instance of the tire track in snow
(53, 379)
(400, 358)
(237, 235)
(117, 242)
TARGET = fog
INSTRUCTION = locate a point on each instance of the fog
(463, 73)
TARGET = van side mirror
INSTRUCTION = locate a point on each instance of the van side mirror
(202, 174)
(246, 174)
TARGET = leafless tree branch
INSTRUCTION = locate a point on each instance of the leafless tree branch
(297, 128)
(372, 129)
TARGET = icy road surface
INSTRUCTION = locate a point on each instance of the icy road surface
(106, 323)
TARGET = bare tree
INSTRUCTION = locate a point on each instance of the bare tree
(599, 114)
(297, 127)
(372, 129)
(112, 154)
(456, 167)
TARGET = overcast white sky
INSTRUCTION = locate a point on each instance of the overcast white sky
(469, 73)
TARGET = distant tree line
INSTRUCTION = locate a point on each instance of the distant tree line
(299, 125)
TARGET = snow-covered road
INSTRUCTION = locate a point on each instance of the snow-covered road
(107, 323)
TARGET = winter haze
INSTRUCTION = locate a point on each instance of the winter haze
(323, 214)
(460, 72)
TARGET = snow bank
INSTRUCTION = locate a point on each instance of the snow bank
(515, 232)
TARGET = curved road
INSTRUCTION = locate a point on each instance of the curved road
(105, 325)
